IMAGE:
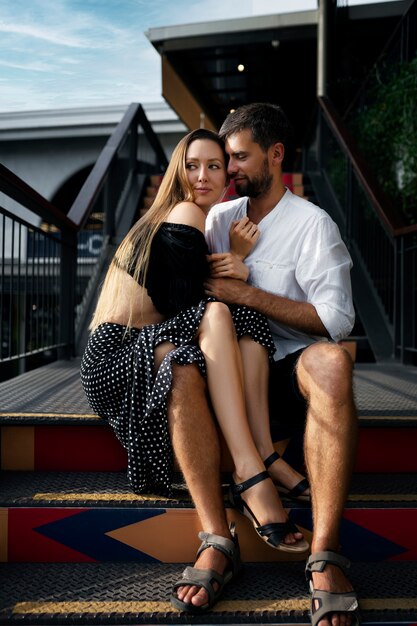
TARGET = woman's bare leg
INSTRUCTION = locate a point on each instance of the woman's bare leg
(217, 339)
(256, 379)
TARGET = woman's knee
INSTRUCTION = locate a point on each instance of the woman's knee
(217, 315)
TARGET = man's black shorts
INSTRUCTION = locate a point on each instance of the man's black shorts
(287, 407)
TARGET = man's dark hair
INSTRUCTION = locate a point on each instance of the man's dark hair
(267, 122)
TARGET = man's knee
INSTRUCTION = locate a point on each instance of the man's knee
(187, 379)
(327, 367)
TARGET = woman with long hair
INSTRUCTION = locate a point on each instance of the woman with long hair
(151, 313)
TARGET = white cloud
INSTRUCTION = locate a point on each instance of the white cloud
(31, 67)
(57, 53)
(32, 30)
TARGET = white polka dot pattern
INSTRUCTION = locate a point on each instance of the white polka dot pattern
(117, 373)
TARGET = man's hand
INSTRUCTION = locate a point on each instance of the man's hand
(243, 234)
(228, 290)
(227, 265)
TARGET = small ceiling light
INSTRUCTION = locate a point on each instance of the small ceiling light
(275, 43)
(240, 67)
(232, 110)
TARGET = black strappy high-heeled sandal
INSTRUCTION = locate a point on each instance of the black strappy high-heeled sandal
(297, 492)
(273, 533)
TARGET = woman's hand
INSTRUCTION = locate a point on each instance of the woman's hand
(243, 235)
(227, 265)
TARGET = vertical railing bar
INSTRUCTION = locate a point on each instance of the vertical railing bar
(26, 294)
(33, 303)
(57, 292)
(37, 290)
(3, 254)
(43, 325)
(11, 291)
(47, 262)
(19, 313)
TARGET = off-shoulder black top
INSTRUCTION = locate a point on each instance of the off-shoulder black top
(177, 268)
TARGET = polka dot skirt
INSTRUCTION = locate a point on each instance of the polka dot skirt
(117, 373)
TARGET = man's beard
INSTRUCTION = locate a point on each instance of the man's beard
(258, 186)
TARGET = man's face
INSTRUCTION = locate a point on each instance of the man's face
(248, 165)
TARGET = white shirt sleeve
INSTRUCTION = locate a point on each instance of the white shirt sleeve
(323, 273)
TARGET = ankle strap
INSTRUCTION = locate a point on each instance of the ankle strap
(258, 478)
(318, 561)
(271, 459)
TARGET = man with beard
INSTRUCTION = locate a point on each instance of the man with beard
(299, 278)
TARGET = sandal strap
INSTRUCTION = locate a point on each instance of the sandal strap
(329, 602)
(239, 488)
(318, 561)
(271, 459)
(201, 578)
(276, 531)
(228, 547)
(299, 488)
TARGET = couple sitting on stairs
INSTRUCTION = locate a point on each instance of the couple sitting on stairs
(216, 318)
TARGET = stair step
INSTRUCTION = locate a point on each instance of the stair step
(138, 593)
(46, 442)
(86, 516)
(44, 423)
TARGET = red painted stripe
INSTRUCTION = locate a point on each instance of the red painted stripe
(82, 448)
(25, 544)
(92, 448)
(387, 450)
(396, 525)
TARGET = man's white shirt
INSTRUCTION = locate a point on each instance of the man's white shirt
(299, 255)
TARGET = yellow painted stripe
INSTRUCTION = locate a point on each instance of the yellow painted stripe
(397, 497)
(104, 496)
(75, 415)
(228, 606)
(397, 418)
(152, 607)
(132, 497)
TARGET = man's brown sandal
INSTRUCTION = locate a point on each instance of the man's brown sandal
(207, 578)
(323, 603)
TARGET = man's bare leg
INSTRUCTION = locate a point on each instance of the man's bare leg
(196, 446)
(324, 373)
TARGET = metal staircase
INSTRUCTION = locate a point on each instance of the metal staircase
(78, 547)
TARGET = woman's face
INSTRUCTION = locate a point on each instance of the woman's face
(206, 172)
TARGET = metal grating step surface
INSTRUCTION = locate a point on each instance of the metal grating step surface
(112, 489)
(54, 393)
(131, 593)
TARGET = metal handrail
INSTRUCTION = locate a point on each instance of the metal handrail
(24, 194)
(383, 206)
(383, 247)
(108, 187)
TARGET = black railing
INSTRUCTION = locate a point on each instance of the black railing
(50, 268)
(30, 288)
(382, 246)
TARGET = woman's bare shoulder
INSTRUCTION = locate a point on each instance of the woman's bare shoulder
(189, 214)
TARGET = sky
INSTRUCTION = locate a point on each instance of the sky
(79, 53)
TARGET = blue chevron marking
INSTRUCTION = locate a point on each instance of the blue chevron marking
(85, 532)
(358, 543)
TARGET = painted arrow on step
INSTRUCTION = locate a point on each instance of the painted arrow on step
(364, 535)
(89, 532)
